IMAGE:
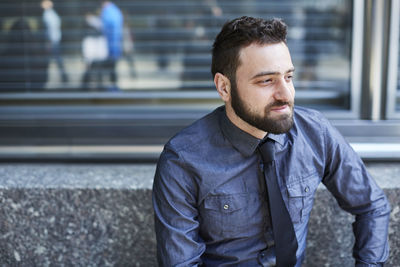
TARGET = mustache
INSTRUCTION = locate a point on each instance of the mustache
(278, 104)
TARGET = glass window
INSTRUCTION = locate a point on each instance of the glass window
(79, 73)
(320, 39)
(397, 108)
(393, 82)
(69, 46)
(398, 89)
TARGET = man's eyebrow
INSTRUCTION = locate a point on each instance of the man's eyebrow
(265, 73)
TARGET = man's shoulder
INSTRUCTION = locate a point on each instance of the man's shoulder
(311, 124)
(307, 113)
(197, 133)
(310, 117)
(314, 125)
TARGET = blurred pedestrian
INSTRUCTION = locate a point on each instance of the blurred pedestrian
(112, 21)
(128, 47)
(94, 51)
(52, 23)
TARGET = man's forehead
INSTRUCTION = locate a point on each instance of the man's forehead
(268, 59)
(255, 46)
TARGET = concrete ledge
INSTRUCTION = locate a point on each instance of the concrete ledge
(76, 215)
(101, 215)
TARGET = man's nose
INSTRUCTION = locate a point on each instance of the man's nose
(283, 90)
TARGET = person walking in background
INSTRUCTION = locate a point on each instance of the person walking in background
(128, 46)
(112, 21)
(52, 23)
(94, 51)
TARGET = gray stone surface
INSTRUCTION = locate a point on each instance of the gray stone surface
(101, 215)
(76, 215)
(80, 227)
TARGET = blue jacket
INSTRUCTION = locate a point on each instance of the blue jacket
(112, 19)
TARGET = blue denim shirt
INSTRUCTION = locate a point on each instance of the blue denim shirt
(210, 200)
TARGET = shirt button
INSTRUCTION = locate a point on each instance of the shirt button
(226, 206)
(306, 189)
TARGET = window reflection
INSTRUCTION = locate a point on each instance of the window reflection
(24, 59)
(160, 45)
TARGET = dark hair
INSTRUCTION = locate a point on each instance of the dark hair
(239, 33)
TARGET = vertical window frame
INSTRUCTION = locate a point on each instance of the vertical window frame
(393, 62)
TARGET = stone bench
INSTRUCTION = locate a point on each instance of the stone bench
(101, 215)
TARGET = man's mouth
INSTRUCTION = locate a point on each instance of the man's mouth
(280, 108)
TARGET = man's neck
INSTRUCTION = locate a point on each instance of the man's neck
(241, 124)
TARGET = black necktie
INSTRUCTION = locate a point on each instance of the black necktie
(282, 226)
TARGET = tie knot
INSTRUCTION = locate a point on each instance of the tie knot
(267, 150)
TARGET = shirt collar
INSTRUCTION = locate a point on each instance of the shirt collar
(279, 138)
(242, 141)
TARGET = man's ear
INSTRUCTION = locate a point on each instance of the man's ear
(223, 86)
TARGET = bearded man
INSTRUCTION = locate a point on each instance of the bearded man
(236, 187)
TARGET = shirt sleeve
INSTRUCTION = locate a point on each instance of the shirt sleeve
(356, 191)
(175, 212)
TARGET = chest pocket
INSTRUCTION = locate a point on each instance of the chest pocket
(301, 197)
(224, 215)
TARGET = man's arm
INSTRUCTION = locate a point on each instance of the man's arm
(356, 192)
(175, 213)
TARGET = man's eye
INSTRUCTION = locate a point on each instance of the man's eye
(267, 81)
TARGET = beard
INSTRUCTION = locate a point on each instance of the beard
(278, 125)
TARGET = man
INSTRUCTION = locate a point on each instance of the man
(213, 191)
(52, 24)
(112, 20)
